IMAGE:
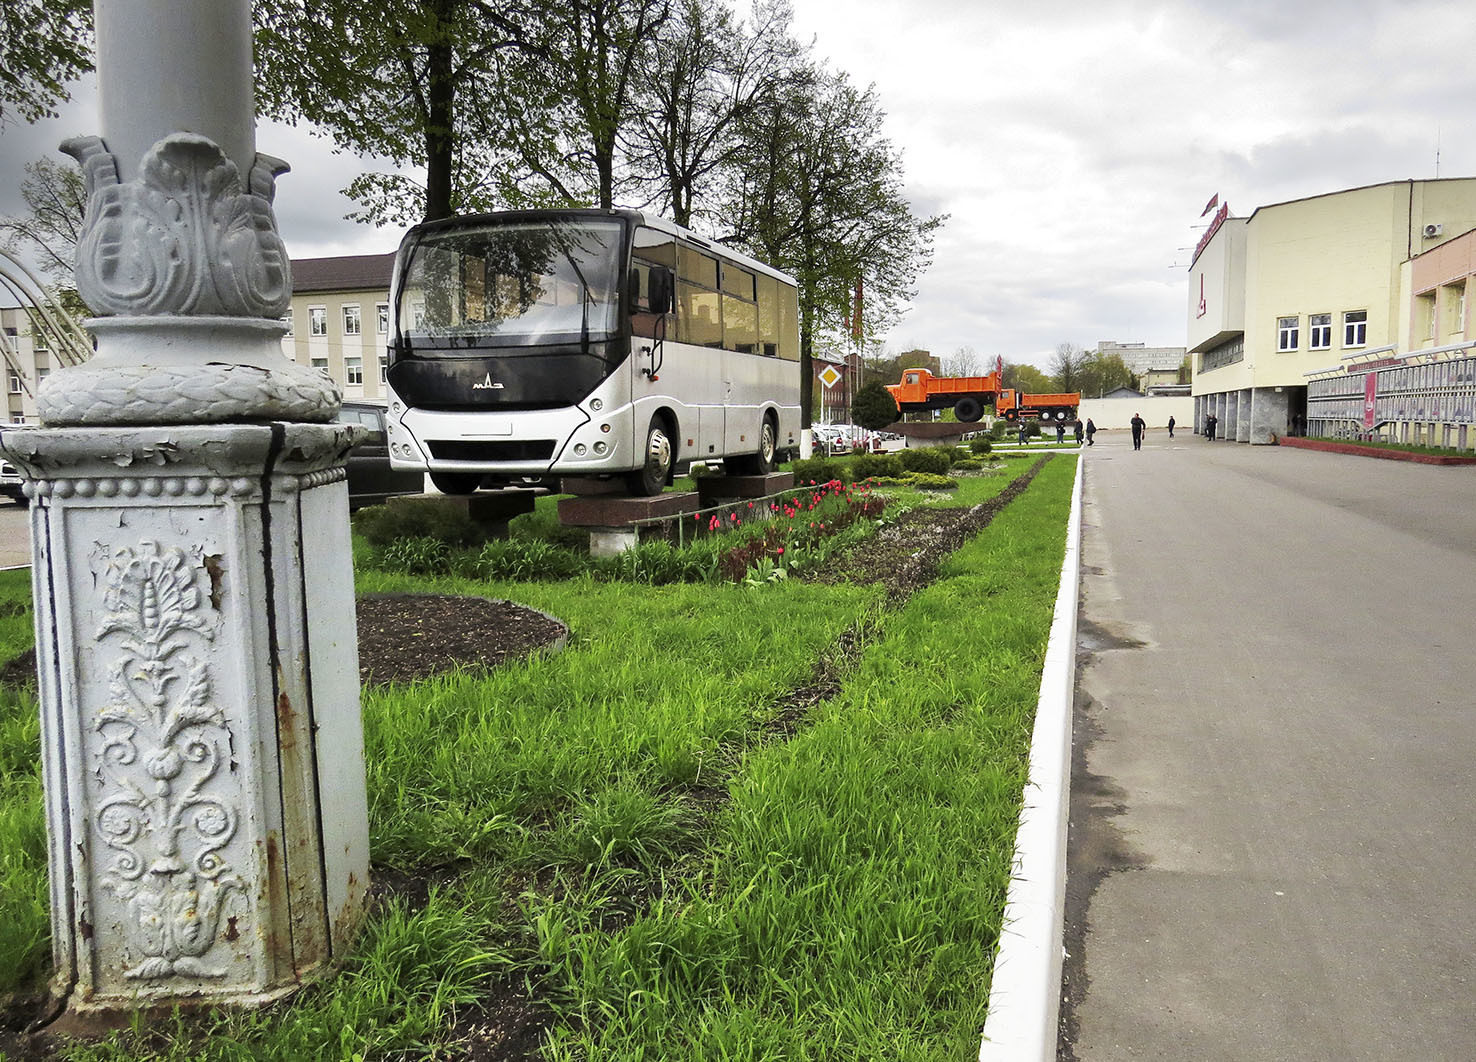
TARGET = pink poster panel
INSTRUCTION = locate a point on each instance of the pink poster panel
(1370, 389)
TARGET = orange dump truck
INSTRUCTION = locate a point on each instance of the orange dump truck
(971, 395)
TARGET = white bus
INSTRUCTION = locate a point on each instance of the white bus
(586, 343)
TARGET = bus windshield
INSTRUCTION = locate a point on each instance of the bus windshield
(514, 283)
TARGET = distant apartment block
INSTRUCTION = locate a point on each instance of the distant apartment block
(1155, 367)
(28, 361)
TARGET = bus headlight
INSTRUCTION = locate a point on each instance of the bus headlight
(600, 447)
(579, 449)
(596, 404)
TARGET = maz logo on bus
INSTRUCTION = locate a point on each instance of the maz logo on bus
(487, 385)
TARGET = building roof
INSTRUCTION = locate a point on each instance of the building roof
(354, 272)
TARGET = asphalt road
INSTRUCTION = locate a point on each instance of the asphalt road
(1272, 836)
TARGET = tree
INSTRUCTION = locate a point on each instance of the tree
(580, 71)
(43, 45)
(707, 72)
(1027, 378)
(873, 406)
(1100, 373)
(401, 79)
(819, 194)
(962, 362)
(1066, 366)
(48, 232)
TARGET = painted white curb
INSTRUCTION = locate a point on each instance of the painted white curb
(1025, 997)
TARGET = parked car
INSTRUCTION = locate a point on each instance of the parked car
(371, 480)
(11, 484)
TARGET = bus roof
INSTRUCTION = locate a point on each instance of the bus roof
(640, 217)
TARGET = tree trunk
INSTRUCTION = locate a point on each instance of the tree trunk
(439, 142)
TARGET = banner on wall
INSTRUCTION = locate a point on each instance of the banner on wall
(1370, 393)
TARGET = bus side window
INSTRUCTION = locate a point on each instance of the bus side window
(768, 316)
(699, 306)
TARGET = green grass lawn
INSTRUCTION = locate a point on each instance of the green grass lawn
(638, 837)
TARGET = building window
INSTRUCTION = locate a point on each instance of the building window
(353, 370)
(318, 320)
(1455, 308)
(381, 317)
(1355, 328)
(41, 373)
(15, 382)
(1319, 331)
(1286, 333)
(352, 326)
(321, 364)
(383, 369)
(1425, 316)
(287, 320)
(38, 342)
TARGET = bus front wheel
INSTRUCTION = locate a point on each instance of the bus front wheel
(650, 479)
(461, 483)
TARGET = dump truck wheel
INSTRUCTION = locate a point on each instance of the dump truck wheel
(968, 409)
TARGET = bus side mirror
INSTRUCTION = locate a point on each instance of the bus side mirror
(661, 286)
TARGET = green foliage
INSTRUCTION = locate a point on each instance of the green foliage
(817, 470)
(658, 562)
(417, 556)
(433, 518)
(980, 445)
(967, 465)
(999, 429)
(527, 559)
(932, 459)
(873, 406)
(930, 481)
(25, 931)
(44, 45)
(864, 466)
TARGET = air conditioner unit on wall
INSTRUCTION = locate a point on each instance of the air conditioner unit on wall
(1431, 231)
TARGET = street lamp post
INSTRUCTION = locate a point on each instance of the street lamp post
(196, 645)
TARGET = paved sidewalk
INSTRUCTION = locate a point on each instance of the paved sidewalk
(1273, 852)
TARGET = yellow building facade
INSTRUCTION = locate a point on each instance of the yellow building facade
(339, 321)
(1299, 286)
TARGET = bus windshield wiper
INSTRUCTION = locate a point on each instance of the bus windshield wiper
(584, 299)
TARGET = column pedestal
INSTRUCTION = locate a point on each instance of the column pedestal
(198, 676)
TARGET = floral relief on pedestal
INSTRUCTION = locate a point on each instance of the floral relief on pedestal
(169, 807)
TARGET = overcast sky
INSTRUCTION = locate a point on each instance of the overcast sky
(1073, 144)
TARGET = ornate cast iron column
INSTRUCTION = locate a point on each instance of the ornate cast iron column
(196, 643)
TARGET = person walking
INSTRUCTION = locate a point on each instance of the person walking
(1138, 425)
(1078, 433)
(1209, 426)
(1171, 427)
(1024, 437)
(1091, 430)
(1060, 434)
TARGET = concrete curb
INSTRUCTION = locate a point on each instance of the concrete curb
(1025, 998)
